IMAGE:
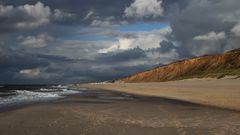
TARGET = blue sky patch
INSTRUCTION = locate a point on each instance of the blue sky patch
(143, 27)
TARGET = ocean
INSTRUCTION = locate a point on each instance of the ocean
(14, 95)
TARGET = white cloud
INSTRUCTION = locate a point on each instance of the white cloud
(104, 22)
(211, 36)
(107, 22)
(162, 57)
(236, 29)
(232, 16)
(38, 12)
(100, 23)
(31, 16)
(144, 8)
(78, 49)
(36, 73)
(5, 10)
(37, 41)
(89, 14)
(59, 15)
(30, 73)
(143, 40)
(122, 44)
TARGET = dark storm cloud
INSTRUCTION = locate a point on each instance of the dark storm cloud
(101, 8)
(31, 68)
(22, 67)
(70, 41)
(30, 16)
(131, 54)
(166, 46)
(11, 59)
(34, 23)
(100, 11)
(208, 19)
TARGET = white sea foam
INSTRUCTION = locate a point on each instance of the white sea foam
(60, 86)
(49, 90)
(26, 96)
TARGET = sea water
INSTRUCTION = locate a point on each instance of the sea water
(11, 95)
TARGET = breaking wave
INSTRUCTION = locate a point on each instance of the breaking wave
(14, 97)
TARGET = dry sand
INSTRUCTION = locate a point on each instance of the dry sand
(224, 93)
(108, 113)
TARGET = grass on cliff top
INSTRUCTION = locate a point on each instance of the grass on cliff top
(212, 74)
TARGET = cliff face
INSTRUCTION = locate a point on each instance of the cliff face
(215, 66)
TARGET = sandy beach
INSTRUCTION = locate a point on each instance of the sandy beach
(224, 93)
(114, 113)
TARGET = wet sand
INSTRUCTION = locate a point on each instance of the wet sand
(223, 93)
(112, 113)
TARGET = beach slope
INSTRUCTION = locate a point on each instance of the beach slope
(224, 93)
(97, 112)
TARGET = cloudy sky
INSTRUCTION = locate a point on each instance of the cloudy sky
(71, 41)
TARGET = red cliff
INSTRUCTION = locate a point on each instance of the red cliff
(215, 66)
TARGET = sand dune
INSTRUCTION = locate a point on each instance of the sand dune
(214, 66)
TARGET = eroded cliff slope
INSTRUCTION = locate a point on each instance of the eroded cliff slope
(215, 66)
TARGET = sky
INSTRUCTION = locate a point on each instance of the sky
(74, 41)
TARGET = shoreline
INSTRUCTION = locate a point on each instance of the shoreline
(101, 112)
(19, 106)
(220, 93)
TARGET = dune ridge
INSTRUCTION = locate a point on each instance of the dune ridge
(213, 66)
